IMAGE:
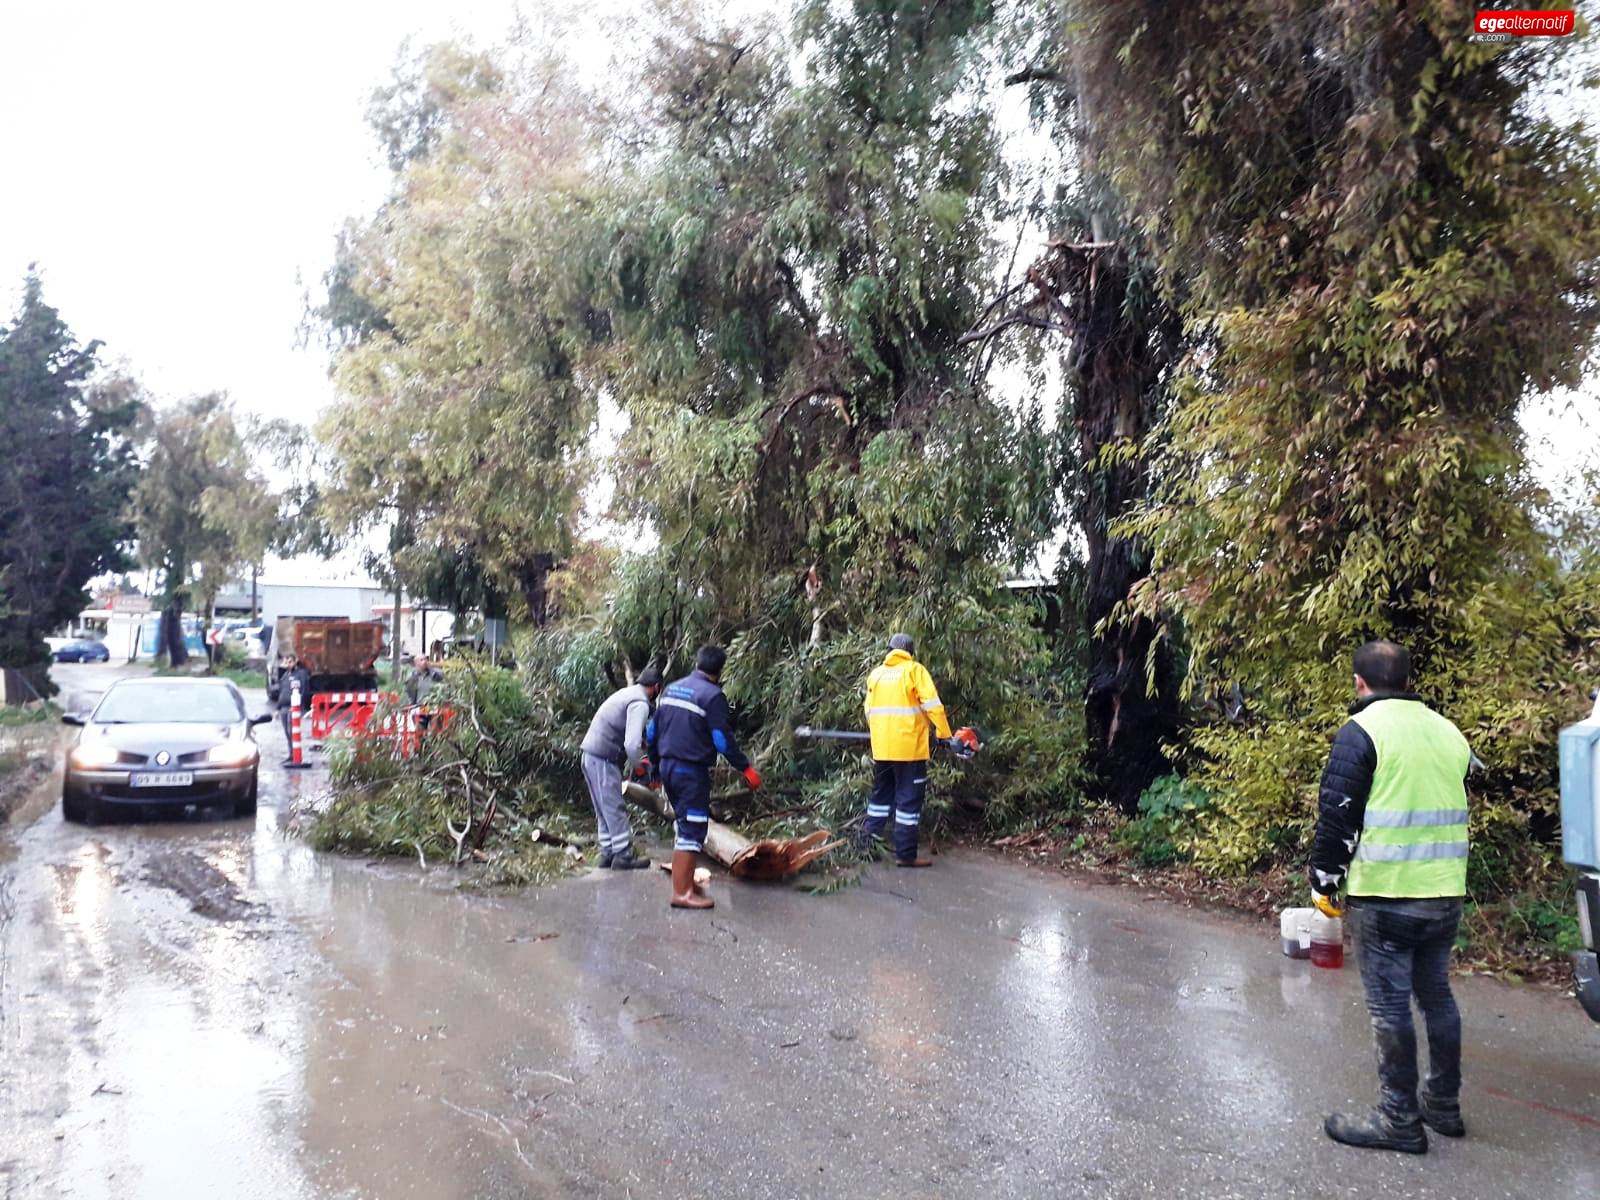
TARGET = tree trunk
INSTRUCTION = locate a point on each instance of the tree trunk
(394, 635)
(768, 859)
(533, 580)
(1117, 360)
(170, 639)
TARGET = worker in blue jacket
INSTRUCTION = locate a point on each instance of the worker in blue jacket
(689, 729)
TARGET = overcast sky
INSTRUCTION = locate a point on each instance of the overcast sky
(178, 170)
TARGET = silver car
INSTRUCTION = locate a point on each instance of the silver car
(171, 743)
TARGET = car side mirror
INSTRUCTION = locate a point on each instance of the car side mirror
(71, 718)
(261, 718)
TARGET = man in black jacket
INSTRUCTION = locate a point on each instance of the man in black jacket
(1392, 831)
(691, 727)
(290, 675)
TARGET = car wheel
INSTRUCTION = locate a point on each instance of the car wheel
(78, 808)
(247, 806)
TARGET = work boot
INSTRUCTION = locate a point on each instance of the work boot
(913, 862)
(626, 860)
(684, 892)
(1442, 1116)
(1378, 1131)
(605, 859)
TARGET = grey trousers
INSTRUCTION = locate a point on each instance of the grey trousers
(604, 780)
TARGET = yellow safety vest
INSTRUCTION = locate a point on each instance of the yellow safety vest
(902, 704)
(1414, 839)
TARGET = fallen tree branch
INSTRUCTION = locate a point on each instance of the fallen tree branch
(768, 859)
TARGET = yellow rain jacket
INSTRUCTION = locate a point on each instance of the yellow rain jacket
(901, 703)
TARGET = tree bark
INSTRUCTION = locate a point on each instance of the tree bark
(768, 859)
(534, 581)
(1117, 361)
(170, 639)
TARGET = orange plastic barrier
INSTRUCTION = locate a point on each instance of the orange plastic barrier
(408, 726)
(330, 710)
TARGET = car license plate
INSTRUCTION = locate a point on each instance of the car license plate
(162, 779)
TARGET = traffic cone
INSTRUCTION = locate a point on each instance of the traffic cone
(297, 758)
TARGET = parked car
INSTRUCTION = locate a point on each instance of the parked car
(82, 650)
(252, 639)
(162, 742)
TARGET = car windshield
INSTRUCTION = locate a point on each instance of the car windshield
(156, 702)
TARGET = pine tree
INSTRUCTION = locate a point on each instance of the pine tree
(64, 488)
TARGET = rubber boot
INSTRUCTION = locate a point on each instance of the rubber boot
(1377, 1131)
(1442, 1117)
(684, 893)
(626, 860)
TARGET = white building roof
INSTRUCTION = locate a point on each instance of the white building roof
(307, 570)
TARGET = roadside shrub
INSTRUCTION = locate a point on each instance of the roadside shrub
(1163, 831)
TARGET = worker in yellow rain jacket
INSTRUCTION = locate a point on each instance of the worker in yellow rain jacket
(902, 705)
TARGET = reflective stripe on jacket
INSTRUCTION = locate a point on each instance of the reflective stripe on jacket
(1414, 832)
(692, 724)
(902, 704)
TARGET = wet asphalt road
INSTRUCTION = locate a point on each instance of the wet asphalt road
(207, 1008)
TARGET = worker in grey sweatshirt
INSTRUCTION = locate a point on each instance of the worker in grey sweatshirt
(616, 740)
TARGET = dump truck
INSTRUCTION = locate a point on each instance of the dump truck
(340, 654)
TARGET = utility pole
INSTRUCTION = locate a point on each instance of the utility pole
(399, 599)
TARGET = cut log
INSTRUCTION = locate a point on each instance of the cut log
(770, 858)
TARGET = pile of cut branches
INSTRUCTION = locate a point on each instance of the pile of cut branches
(476, 792)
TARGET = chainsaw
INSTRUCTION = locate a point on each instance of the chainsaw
(969, 742)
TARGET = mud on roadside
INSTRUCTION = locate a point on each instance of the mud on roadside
(29, 757)
(209, 892)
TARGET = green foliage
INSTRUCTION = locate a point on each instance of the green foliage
(461, 422)
(1551, 923)
(1343, 461)
(1519, 912)
(202, 510)
(1162, 833)
(69, 469)
(495, 747)
(29, 715)
(773, 299)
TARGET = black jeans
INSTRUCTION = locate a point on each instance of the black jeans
(1405, 951)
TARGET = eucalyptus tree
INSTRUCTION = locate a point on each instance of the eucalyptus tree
(460, 421)
(202, 510)
(1389, 236)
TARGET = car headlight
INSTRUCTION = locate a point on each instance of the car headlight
(94, 754)
(231, 754)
